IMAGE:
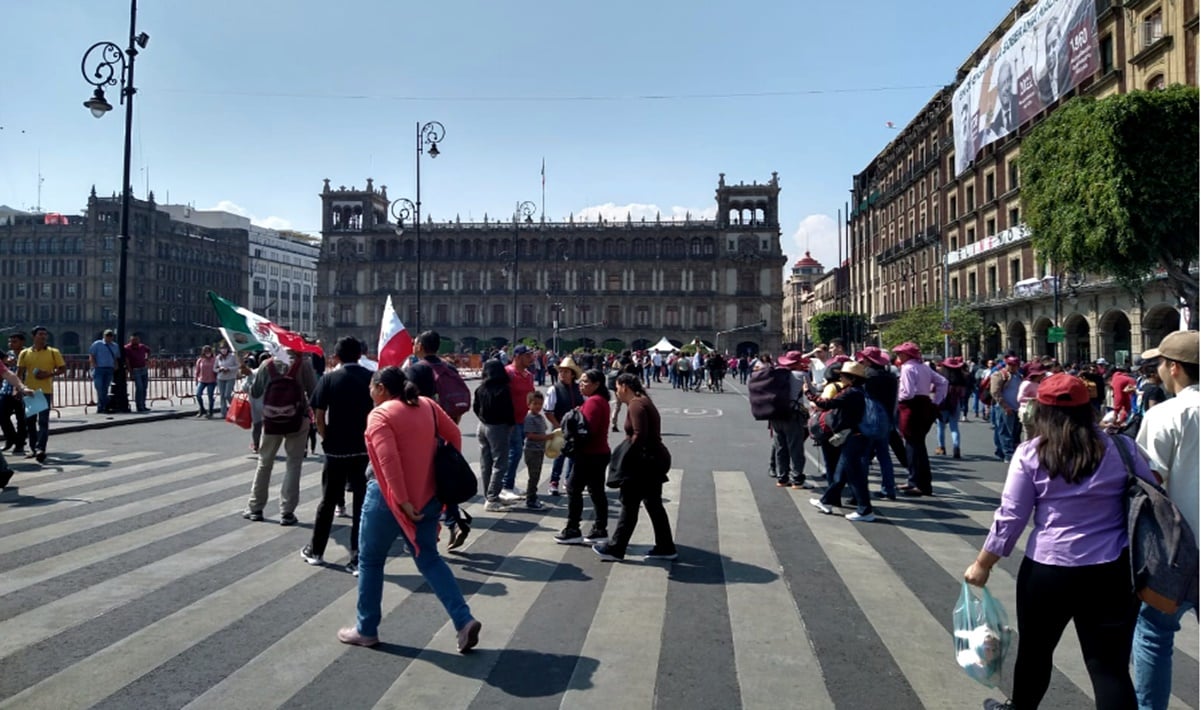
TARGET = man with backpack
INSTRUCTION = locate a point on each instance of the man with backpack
(1169, 439)
(285, 386)
(789, 428)
(341, 403)
(442, 383)
(493, 406)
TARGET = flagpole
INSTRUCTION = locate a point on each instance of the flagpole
(544, 189)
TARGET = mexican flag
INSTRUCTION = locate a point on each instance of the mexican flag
(395, 343)
(245, 330)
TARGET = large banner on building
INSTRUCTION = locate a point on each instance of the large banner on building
(1047, 52)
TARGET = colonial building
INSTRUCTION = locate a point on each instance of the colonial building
(914, 216)
(799, 291)
(61, 271)
(611, 284)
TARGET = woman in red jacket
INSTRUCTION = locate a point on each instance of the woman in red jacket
(591, 460)
(400, 500)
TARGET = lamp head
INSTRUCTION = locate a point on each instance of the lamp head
(142, 40)
(98, 104)
(433, 150)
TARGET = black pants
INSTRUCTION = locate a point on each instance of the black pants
(10, 408)
(635, 493)
(589, 474)
(1099, 600)
(336, 473)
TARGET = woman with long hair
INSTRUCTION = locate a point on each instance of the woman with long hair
(591, 458)
(400, 500)
(1072, 480)
(646, 462)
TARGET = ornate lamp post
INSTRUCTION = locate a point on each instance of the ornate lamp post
(402, 210)
(524, 210)
(104, 64)
(429, 136)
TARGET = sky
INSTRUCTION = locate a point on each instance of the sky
(635, 107)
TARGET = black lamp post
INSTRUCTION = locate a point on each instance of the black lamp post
(430, 134)
(524, 209)
(108, 64)
(402, 210)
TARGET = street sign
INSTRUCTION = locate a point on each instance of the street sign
(947, 327)
(1055, 335)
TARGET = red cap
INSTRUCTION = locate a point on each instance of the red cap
(1062, 390)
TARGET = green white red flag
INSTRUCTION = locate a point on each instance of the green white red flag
(244, 329)
(395, 343)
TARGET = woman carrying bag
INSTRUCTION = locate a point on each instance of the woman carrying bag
(642, 472)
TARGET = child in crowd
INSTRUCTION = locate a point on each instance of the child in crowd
(536, 437)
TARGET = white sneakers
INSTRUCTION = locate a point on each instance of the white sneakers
(510, 495)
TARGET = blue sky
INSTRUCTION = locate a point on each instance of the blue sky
(248, 105)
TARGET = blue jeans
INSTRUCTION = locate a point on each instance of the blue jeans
(946, 419)
(888, 478)
(102, 378)
(1011, 433)
(226, 389)
(557, 468)
(141, 382)
(39, 426)
(378, 530)
(1154, 634)
(200, 388)
(516, 445)
(994, 415)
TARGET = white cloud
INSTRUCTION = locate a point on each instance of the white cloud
(817, 234)
(235, 208)
(637, 211)
(273, 223)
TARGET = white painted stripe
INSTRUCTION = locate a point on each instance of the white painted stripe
(83, 470)
(102, 493)
(772, 653)
(271, 678)
(442, 678)
(88, 522)
(628, 650)
(61, 614)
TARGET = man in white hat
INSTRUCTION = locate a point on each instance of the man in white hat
(1169, 439)
(562, 397)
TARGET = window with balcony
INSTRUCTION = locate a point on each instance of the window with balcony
(700, 318)
(970, 198)
(971, 285)
(990, 226)
(527, 314)
(498, 314)
(613, 316)
(471, 315)
(1150, 30)
(992, 279)
(1106, 47)
(442, 314)
(671, 317)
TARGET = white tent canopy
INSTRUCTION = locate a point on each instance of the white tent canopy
(663, 346)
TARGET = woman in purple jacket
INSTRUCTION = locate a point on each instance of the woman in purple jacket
(1072, 480)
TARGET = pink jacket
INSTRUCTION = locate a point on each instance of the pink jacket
(206, 370)
(400, 444)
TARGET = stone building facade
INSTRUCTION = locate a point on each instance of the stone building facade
(799, 294)
(915, 226)
(612, 284)
(61, 271)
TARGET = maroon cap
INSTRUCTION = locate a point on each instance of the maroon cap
(1063, 390)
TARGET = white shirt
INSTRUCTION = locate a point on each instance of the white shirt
(1169, 439)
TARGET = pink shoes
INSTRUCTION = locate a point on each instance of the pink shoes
(469, 636)
(351, 635)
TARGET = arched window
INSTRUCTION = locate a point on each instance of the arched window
(1156, 83)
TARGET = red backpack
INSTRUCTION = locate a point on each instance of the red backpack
(452, 393)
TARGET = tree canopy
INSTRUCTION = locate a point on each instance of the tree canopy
(824, 327)
(923, 325)
(1110, 187)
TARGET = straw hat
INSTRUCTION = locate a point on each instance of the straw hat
(568, 363)
(554, 445)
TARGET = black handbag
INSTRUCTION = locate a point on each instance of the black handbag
(454, 480)
(616, 459)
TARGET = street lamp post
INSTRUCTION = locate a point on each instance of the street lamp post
(429, 134)
(558, 308)
(524, 209)
(104, 64)
(402, 209)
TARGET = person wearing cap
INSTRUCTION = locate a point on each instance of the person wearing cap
(1028, 394)
(1169, 438)
(1004, 386)
(38, 365)
(1122, 385)
(948, 410)
(881, 386)
(830, 390)
(521, 383)
(788, 441)
(1072, 481)
(856, 449)
(562, 397)
(103, 356)
(919, 393)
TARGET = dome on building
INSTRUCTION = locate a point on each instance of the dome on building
(807, 262)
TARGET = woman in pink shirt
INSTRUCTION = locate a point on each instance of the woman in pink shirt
(1072, 481)
(400, 500)
(206, 379)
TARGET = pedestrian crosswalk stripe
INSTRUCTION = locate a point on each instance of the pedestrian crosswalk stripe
(55, 466)
(90, 464)
(438, 677)
(628, 618)
(771, 661)
(60, 481)
(182, 495)
(908, 631)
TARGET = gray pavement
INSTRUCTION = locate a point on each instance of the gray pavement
(127, 579)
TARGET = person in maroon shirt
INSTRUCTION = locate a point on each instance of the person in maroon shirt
(591, 460)
(1123, 386)
(521, 383)
(136, 354)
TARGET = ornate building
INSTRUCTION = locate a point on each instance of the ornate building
(61, 271)
(799, 295)
(606, 284)
(916, 224)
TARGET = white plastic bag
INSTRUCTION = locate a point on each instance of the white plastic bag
(982, 636)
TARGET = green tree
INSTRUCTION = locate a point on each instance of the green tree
(824, 327)
(1110, 187)
(923, 325)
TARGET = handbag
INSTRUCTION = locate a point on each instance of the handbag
(616, 475)
(454, 479)
(239, 411)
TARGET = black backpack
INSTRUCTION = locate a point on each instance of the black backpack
(575, 432)
(770, 393)
(284, 405)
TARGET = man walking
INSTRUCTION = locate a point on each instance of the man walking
(1169, 439)
(102, 358)
(37, 366)
(13, 382)
(521, 383)
(136, 355)
(919, 393)
(11, 405)
(788, 442)
(285, 388)
(341, 403)
(1004, 386)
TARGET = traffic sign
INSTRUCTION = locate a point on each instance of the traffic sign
(1055, 335)
(947, 327)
